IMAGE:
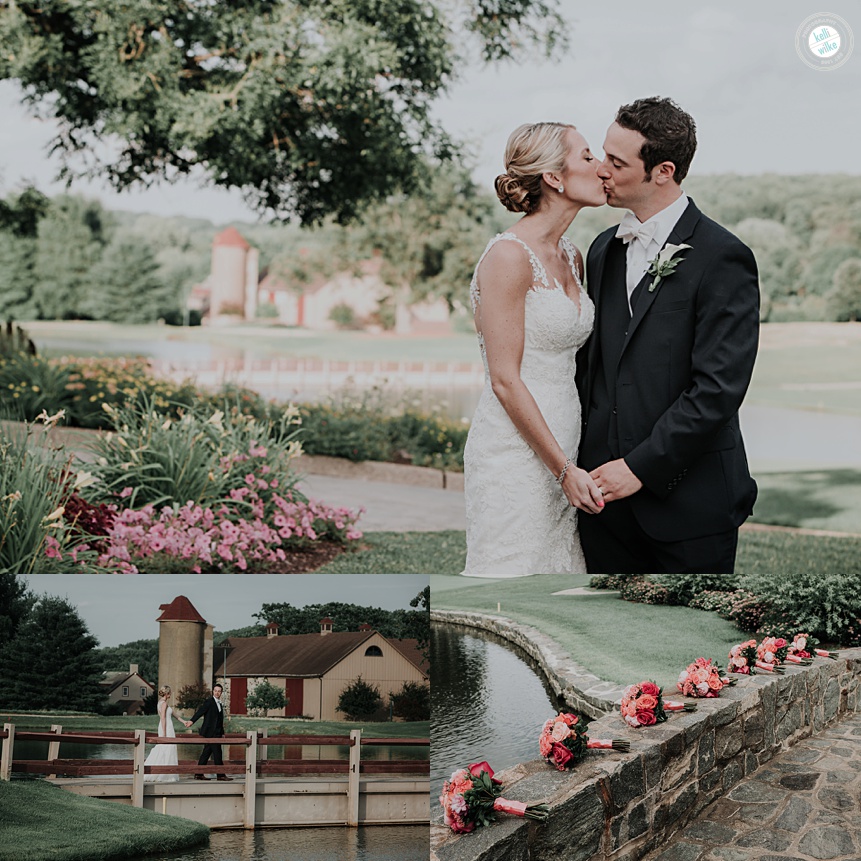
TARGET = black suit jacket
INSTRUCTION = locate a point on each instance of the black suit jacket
(213, 719)
(686, 360)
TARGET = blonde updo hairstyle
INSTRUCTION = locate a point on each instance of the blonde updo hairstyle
(163, 691)
(533, 149)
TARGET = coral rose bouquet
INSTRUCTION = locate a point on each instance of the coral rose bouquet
(643, 705)
(563, 741)
(771, 653)
(702, 678)
(472, 797)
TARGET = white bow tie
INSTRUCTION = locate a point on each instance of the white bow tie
(631, 228)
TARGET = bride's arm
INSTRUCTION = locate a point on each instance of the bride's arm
(504, 277)
(162, 725)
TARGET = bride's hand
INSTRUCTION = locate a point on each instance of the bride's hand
(581, 491)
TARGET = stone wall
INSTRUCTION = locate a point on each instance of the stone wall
(621, 806)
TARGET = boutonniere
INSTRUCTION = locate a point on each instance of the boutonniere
(664, 265)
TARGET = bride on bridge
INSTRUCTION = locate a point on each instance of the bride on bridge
(163, 754)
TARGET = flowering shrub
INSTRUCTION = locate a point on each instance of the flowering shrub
(643, 591)
(607, 581)
(216, 539)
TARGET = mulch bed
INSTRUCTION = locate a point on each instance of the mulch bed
(305, 559)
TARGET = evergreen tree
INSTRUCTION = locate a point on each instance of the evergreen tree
(844, 298)
(69, 242)
(124, 284)
(411, 702)
(51, 661)
(17, 276)
(16, 602)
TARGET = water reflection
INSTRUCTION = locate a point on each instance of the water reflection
(489, 702)
(381, 843)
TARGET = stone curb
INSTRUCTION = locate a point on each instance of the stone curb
(78, 439)
(623, 806)
(580, 689)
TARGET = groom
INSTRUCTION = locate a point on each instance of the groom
(212, 712)
(668, 364)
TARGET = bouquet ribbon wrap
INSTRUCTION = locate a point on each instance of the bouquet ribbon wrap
(503, 805)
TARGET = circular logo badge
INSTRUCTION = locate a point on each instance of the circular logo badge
(824, 41)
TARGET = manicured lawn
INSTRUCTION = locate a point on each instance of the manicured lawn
(617, 640)
(445, 553)
(40, 822)
(82, 723)
(827, 499)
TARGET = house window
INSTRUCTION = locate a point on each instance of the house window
(373, 652)
(126, 691)
(143, 693)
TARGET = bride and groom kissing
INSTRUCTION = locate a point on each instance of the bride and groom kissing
(607, 439)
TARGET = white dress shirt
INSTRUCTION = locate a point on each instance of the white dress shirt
(639, 255)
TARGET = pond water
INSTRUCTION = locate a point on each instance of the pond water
(381, 843)
(478, 679)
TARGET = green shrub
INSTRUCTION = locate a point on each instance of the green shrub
(825, 604)
(343, 316)
(30, 384)
(265, 696)
(607, 581)
(359, 700)
(644, 591)
(411, 702)
(741, 606)
(682, 588)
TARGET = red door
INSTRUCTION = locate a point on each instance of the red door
(238, 693)
(293, 692)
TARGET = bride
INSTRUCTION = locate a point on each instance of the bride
(522, 484)
(163, 754)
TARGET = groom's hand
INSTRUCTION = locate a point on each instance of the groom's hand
(616, 480)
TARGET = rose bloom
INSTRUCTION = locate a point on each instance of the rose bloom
(545, 745)
(703, 674)
(800, 643)
(647, 701)
(569, 718)
(646, 718)
(650, 688)
(629, 709)
(631, 721)
(561, 756)
(560, 731)
(715, 683)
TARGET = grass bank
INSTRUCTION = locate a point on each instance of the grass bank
(40, 822)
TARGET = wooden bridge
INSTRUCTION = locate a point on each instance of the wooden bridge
(269, 792)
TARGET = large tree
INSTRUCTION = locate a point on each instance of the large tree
(51, 661)
(144, 653)
(311, 107)
(16, 602)
(20, 214)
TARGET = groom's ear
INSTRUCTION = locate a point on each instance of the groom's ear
(663, 173)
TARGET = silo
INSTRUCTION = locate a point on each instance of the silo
(181, 646)
(229, 275)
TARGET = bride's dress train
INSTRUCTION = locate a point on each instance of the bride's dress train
(519, 521)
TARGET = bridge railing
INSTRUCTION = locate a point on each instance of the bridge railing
(255, 764)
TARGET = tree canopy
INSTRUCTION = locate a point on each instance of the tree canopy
(310, 107)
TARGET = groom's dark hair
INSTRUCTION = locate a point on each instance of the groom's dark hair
(670, 133)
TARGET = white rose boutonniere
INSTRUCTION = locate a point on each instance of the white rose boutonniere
(664, 265)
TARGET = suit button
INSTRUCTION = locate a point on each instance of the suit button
(614, 411)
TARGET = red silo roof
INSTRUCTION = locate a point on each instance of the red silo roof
(231, 236)
(179, 610)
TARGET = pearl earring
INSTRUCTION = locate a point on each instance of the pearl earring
(561, 189)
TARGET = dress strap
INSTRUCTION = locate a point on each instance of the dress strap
(572, 253)
(538, 272)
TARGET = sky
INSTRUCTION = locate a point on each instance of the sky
(123, 608)
(733, 65)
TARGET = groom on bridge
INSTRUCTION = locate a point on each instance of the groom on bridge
(669, 361)
(212, 712)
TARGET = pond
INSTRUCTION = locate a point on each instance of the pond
(477, 679)
(382, 843)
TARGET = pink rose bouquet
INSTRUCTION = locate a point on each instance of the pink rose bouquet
(563, 741)
(771, 653)
(643, 705)
(804, 646)
(472, 797)
(742, 658)
(702, 678)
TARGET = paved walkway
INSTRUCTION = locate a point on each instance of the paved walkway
(391, 507)
(803, 805)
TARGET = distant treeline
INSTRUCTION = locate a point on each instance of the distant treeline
(69, 258)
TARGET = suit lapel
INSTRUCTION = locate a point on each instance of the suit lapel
(595, 277)
(679, 234)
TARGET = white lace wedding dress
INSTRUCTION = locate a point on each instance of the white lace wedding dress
(518, 519)
(163, 754)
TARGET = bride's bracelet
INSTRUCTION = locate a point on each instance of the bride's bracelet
(561, 477)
